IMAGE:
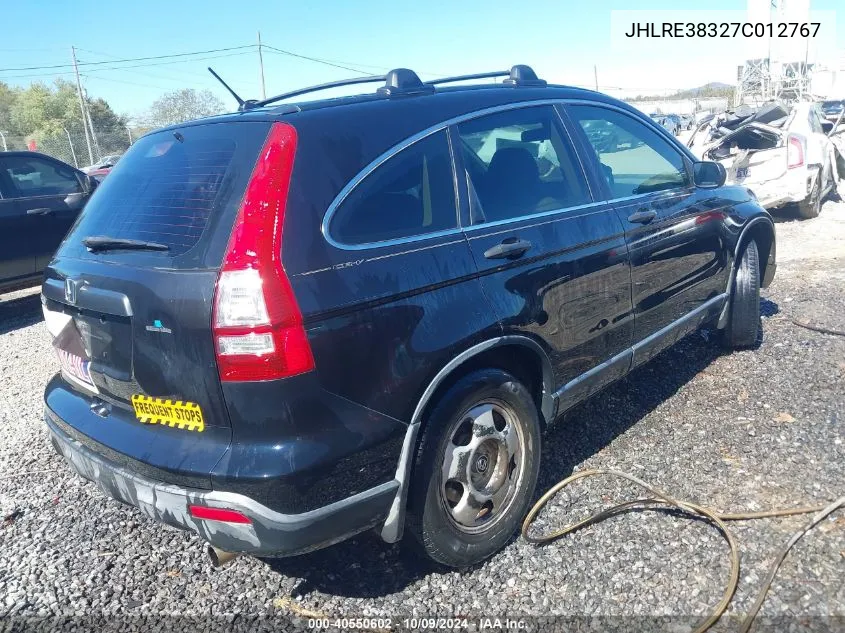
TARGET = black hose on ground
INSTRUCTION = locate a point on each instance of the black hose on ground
(818, 328)
(714, 517)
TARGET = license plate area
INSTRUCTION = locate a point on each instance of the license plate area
(76, 369)
(94, 350)
(741, 173)
(107, 341)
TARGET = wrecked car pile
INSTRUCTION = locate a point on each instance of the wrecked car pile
(783, 154)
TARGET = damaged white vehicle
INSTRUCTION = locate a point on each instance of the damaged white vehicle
(784, 156)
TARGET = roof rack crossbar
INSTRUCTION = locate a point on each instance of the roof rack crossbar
(448, 80)
(401, 81)
(318, 87)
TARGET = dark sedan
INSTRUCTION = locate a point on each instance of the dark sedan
(40, 198)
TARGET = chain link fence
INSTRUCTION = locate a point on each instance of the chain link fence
(71, 145)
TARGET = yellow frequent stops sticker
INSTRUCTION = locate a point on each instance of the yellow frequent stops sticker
(173, 413)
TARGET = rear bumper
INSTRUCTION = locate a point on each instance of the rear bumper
(270, 533)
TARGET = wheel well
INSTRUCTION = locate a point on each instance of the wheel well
(763, 234)
(519, 360)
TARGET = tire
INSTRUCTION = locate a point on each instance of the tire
(481, 441)
(812, 206)
(744, 319)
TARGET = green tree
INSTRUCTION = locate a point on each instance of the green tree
(103, 117)
(7, 103)
(42, 110)
(183, 105)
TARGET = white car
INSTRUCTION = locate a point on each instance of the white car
(103, 163)
(787, 161)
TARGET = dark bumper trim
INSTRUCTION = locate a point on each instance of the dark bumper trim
(271, 533)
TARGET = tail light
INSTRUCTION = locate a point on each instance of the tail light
(258, 331)
(794, 152)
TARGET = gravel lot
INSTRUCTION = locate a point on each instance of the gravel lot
(750, 430)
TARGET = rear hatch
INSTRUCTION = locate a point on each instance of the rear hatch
(129, 295)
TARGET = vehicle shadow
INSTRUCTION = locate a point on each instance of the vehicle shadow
(20, 312)
(790, 213)
(365, 567)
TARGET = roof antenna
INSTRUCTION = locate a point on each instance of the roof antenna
(242, 105)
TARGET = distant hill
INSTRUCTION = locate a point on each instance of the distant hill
(709, 90)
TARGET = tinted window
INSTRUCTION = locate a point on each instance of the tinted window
(634, 158)
(520, 163)
(38, 177)
(169, 189)
(410, 194)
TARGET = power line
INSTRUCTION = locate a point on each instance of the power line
(131, 59)
(421, 72)
(92, 70)
(114, 64)
(340, 63)
(170, 76)
(314, 59)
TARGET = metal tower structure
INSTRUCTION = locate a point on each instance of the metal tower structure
(778, 68)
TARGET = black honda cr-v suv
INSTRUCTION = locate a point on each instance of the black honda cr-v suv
(286, 325)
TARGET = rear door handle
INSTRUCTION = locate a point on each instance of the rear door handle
(40, 211)
(643, 216)
(511, 248)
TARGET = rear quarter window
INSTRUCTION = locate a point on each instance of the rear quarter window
(411, 194)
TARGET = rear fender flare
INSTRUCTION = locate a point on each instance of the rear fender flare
(394, 525)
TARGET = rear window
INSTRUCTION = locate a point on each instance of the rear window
(176, 188)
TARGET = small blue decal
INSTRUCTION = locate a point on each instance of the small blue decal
(158, 326)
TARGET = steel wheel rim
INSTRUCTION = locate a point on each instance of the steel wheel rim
(483, 466)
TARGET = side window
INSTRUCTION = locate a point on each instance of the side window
(634, 159)
(410, 194)
(519, 163)
(38, 177)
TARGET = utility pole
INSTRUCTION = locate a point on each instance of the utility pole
(82, 105)
(3, 136)
(261, 67)
(93, 135)
(596, 75)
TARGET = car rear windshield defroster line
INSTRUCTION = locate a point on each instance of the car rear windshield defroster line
(169, 189)
(170, 196)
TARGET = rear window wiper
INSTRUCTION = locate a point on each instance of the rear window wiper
(103, 243)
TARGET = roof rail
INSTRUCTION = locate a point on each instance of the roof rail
(402, 81)
(448, 80)
(519, 75)
(331, 84)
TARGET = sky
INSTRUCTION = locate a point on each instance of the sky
(565, 41)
